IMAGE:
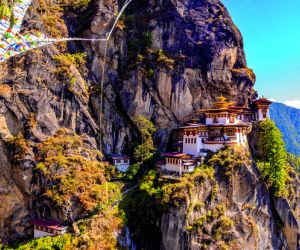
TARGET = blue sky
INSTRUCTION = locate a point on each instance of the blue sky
(271, 32)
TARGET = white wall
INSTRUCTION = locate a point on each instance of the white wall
(223, 120)
(213, 147)
(261, 116)
(193, 148)
(40, 234)
(190, 169)
(172, 167)
(122, 166)
(190, 148)
(176, 168)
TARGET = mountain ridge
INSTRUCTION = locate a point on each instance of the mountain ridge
(287, 119)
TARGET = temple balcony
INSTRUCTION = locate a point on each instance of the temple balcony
(230, 140)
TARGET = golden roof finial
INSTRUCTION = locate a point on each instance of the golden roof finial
(222, 102)
(221, 98)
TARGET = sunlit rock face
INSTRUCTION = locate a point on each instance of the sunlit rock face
(206, 59)
(166, 59)
(245, 199)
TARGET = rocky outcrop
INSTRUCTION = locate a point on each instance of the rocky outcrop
(14, 206)
(243, 200)
(165, 60)
(290, 224)
(202, 51)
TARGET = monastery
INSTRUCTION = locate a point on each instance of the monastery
(43, 228)
(224, 124)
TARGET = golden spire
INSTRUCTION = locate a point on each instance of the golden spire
(221, 99)
(222, 103)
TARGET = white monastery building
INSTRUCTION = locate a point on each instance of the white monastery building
(121, 162)
(177, 162)
(225, 124)
(43, 228)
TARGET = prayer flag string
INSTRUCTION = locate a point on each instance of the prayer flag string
(12, 43)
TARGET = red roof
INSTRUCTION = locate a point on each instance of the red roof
(263, 101)
(52, 224)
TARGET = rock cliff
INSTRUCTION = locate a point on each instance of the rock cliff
(232, 210)
(166, 59)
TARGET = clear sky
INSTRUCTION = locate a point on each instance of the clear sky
(271, 32)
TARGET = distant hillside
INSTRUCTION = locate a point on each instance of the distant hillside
(287, 120)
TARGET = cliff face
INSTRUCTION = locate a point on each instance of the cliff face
(166, 59)
(171, 59)
(238, 214)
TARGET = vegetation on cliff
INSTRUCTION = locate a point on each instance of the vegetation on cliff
(71, 175)
(144, 206)
(145, 150)
(273, 157)
(73, 172)
(96, 232)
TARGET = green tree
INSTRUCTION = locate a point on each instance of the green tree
(145, 151)
(273, 157)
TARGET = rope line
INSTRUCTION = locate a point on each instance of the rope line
(109, 34)
(12, 44)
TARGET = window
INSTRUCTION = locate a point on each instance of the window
(264, 115)
(195, 140)
(125, 161)
(118, 161)
(186, 140)
(230, 132)
(215, 120)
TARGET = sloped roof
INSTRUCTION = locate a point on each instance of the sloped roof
(52, 224)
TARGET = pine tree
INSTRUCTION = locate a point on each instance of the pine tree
(273, 161)
(145, 151)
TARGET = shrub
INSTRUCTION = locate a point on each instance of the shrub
(162, 58)
(200, 222)
(47, 243)
(228, 158)
(242, 72)
(148, 184)
(214, 191)
(74, 172)
(218, 211)
(65, 61)
(223, 227)
(273, 157)
(21, 147)
(145, 151)
(132, 172)
(197, 206)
